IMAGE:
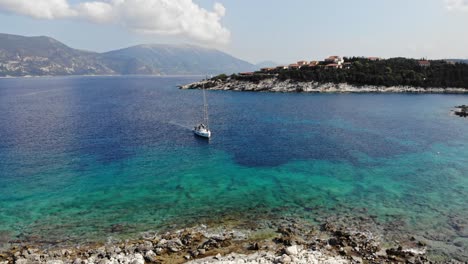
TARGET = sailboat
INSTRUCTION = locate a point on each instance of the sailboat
(203, 129)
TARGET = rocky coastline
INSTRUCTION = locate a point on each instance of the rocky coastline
(288, 86)
(284, 240)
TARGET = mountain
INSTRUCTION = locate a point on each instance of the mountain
(20, 56)
(266, 64)
(459, 60)
(36, 56)
(173, 59)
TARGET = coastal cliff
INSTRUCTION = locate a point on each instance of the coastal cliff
(289, 86)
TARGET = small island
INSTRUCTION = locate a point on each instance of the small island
(349, 74)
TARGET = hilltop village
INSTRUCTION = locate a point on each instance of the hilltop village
(349, 74)
(365, 71)
(332, 62)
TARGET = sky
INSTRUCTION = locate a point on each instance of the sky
(253, 30)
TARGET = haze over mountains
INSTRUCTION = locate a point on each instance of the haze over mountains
(40, 56)
(45, 56)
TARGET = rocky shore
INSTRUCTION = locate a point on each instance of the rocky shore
(288, 86)
(285, 240)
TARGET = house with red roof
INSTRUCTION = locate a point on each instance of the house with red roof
(293, 66)
(334, 60)
(424, 63)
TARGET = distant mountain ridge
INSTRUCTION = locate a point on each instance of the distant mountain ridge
(175, 59)
(39, 56)
(266, 64)
(459, 60)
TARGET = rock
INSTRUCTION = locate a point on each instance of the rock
(117, 228)
(32, 250)
(137, 259)
(210, 244)
(21, 261)
(458, 244)
(254, 246)
(162, 242)
(292, 250)
(25, 253)
(194, 253)
(174, 249)
(77, 261)
(150, 256)
(34, 257)
(100, 252)
(202, 251)
(104, 261)
(285, 259)
(129, 249)
(333, 241)
(54, 262)
(357, 259)
(218, 256)
(113, 249)
(381, 253)
(145, 246)
(159, 251)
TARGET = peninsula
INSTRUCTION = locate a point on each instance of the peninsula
(349, 74)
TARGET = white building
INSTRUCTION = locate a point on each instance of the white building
(335, 59)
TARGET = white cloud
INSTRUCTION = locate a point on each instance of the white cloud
(45, 9)
(170, 17)
(99, 12)
(457, 5)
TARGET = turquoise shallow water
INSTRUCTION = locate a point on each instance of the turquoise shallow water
(79, 155)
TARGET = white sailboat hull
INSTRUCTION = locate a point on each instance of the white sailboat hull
(202, 133)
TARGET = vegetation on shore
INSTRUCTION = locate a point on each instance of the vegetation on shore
(364, 71)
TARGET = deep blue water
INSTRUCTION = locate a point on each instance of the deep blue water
(79, 154)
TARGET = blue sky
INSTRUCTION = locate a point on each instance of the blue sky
(282, 31)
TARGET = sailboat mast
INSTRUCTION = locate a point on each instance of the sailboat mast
(205, 109)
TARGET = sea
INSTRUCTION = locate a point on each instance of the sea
(83, 159)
